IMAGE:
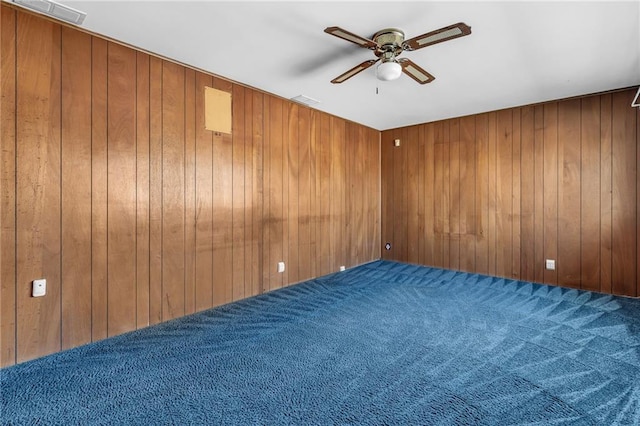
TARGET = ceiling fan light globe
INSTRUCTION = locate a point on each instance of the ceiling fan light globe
(388, 71)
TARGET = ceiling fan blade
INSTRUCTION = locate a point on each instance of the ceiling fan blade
(353, 38)
(443, 34)
(415, 72)
(353, 71)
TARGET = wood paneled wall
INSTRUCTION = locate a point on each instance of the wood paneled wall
(498, 193)
(113, 191)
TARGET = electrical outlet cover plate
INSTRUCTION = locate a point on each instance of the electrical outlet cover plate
(280, 266)
(550, 264)
(39, 288)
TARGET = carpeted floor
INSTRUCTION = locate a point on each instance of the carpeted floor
(384, 343)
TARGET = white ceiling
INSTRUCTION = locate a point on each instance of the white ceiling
(519, 52)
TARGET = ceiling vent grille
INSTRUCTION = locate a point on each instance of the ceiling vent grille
(302, 99)
(56, 10)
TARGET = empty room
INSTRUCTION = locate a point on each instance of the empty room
(319, 213)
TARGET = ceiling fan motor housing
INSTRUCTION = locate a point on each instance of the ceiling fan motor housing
(389, 43)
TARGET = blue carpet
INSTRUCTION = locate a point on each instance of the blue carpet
(384, 343)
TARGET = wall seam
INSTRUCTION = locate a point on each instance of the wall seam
(135, 138)
(160, 174)
(91, 198)
(15, 186)
(61, 276)
(107, 189)
(184, 192)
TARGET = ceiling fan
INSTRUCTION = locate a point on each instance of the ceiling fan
(389, 43)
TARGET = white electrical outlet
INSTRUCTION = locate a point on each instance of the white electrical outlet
(342, 268)
(39, 288)
(550, 264)
(280, 266)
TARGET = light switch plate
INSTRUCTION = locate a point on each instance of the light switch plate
(280, 266)
(39, 288)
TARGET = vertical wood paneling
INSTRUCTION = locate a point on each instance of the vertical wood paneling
(429, 187)
(275, 218)
(623, 208)
(277, 180)
(605, 193)
(439, 210)
(155, 190)
(551, 168)
(266, 205)
(526, 191)
(222, 210)
(364, 181)
(323, 175)
(482, 194)
(421, 172)
(142, 215)
(250, 261)
(412, 148)
(142, 189)
(569, 193)
(189, 191)
(76, 188)
(121, 189)
(173, 208)
(551, 181)
(468, 229)
(590, 193)
(504, 187)
(7, 186)
(304, 193)
(98, 189)
(337, 194)
(238, 196)
(446, 191)
(357, 191)
(492, 210)
(351, 138)
(292, 168)
(538, 193)
(257, 210)
(375, 220)
(400, 196)
(204, 201)
(284, 277)
(516, 191)
(358, 176)
(355, 207)
(314, 132)
(38, 127)
(454, 193)
(387, 194)
(372, 185)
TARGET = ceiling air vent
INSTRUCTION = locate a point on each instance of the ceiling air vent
(56, 10)
(302, 99)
